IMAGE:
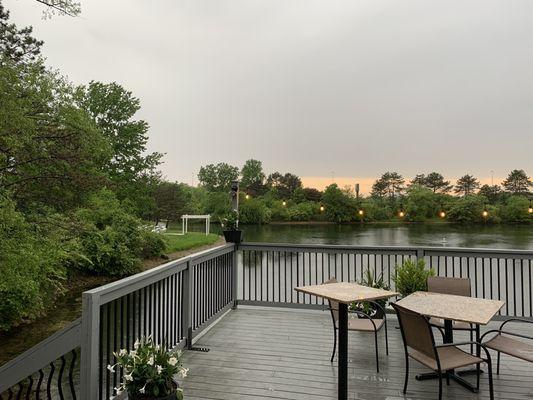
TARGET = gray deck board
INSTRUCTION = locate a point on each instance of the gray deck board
(259, 353)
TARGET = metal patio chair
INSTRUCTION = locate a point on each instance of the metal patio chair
(419, 344)
(505, 342)
(457, 287)
(364, 323)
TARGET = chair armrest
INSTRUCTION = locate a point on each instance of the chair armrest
(500, 331)
(380, 307)
(515, 320)
(363, 315)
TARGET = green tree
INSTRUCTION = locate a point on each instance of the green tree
(466, 185)
(172, 200)
(50, 151)
(253, 178)
(338, 206)
(469, 209)
(17, 45)
(437, 183)
(284, 185)
(312, 194)
(422, 203)
(217, 177)
(390, 184)
(493, 193)
(517, 182)
(419, 179)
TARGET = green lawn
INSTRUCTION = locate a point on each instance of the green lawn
(189, 241)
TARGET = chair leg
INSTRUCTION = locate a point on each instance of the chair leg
(498, 365)
(471, 339)
(478, 373)
(447, 379)
(440, 385)
(491, 384)
(386, 339)
(334, 344)
(377, 351)
(406, 374)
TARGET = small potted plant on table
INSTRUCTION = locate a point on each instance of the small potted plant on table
(149, 371)
(230, 225)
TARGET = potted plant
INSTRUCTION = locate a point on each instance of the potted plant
(412, 277)
(148, 372)
(370, 308)
(230, 226)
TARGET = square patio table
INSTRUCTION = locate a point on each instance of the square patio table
(345, 293)
(452, 308)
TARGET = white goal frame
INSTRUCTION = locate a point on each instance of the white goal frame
(185, 222)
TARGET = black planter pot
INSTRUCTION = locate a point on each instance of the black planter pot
(172, 396)
(233, 236)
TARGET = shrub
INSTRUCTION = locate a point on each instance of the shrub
(469, 209)
(254, 211)
(303, 211)
(412, 277)
(422, 204)
(112, 240)
(32, 266)
(515, 209)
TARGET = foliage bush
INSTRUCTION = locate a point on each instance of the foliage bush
(113, 240)
(515, 210)
(254, 211)
(338, 206)
(422, 204)
(469, 209)
(32, 266)
(305, 211)
(412, 277)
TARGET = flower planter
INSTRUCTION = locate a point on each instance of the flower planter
(171, 396)
(234, 236)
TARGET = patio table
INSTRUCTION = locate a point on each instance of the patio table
(452, 308)
(345, 293)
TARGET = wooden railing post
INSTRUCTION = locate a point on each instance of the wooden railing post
(235, 266)
(188, 300)
(90, 342)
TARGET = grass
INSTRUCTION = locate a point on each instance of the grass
(189, 241)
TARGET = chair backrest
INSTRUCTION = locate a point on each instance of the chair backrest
(455, 286)
(333, 305)
(416, 331)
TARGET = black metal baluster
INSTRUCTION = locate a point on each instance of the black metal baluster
(39, 383)
(506, 286)
(514, 287)
(108, 346)
(115, 338)
(30, 386)
(101, 365)
(60, 378)
(71, 374)
(522, 284)
(490, 278)
(21, 389)
(49, 382)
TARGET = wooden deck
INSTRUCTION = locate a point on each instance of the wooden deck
(259, 353)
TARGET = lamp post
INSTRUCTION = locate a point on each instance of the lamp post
(442, 213)
(322, 208)
(284, 203)
(401, 213)
(530, 209)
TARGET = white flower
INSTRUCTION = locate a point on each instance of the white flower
(173, 361)
(119, 390)
(136, 344)
(111, 368)
(133, 353)
(150, 361)
(143, 389)
(122, 352)
(128, 377)
(157, 347)
(183, 372)
(159, 369)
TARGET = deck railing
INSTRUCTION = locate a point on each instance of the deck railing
(50, 367)
(268, 273)
(176, 301)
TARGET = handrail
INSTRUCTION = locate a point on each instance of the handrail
(388, 249)
(40, 355)
(114, 290)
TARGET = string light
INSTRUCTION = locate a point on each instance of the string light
(401, 213)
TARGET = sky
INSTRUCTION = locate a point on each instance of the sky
(329, 90)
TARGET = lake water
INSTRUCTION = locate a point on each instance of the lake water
(437, 234)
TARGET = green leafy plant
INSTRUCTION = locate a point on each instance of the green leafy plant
(375, 282)
(412, 277)
(148, 371)
(231, 221)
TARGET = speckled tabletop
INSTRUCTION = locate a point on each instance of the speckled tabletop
(456, 308)
(346, 292)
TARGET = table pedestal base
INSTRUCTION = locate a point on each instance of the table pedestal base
(453, 375)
